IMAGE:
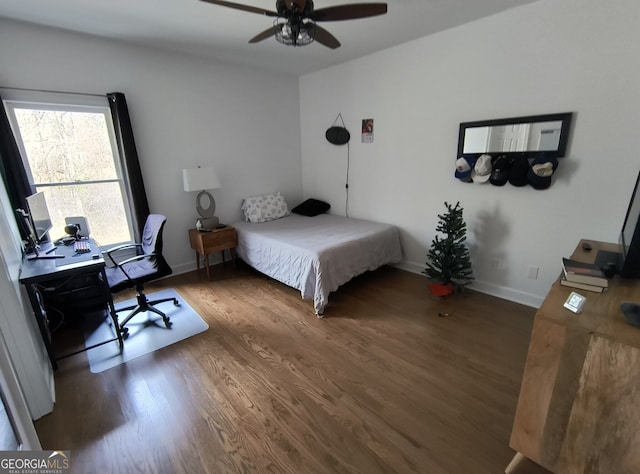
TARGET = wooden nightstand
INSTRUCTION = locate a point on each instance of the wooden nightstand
(216, 240)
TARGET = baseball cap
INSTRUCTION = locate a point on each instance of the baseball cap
(482, 169)
(464, 165)
(518, 171)
(539, 175)
(500, 172)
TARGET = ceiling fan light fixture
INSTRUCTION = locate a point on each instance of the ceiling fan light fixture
(285, 33)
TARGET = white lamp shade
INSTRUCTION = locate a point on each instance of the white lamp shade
(199, 179)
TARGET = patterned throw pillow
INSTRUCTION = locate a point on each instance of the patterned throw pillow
(265, 208)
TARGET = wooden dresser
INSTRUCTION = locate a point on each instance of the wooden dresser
(579, 404)
(216, 240)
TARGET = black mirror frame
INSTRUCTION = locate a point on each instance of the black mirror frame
(565, 118)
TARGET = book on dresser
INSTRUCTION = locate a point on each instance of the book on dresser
(581, 286)
(585, 273)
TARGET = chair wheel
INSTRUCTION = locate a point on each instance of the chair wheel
(176, 303)
(168, 323)
(125, 333)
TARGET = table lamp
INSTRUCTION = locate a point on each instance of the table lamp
(200, 179)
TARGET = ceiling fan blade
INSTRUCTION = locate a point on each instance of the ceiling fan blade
(264, 35)
(239, 6)
(322, 36)
(348, 12)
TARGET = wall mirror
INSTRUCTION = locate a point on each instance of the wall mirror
(532, 136)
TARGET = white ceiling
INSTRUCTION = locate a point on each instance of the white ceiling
(199, 28)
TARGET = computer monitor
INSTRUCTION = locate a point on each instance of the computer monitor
(627, 262)
(39, 213)
(35, 223)
(630, 236)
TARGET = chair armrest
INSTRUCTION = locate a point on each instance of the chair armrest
(118, 248)
(122, 247)
(122, 264)
(135, 259)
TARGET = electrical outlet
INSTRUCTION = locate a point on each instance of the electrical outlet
(532, 272)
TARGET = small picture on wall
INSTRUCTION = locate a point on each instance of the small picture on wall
(367, 130)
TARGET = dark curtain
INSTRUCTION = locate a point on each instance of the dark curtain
(11, 167)
(129, 161)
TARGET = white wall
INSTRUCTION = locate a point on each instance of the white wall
(551, 56)
(185, 111)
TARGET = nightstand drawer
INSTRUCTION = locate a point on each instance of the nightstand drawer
(225, 238)
(213, 241)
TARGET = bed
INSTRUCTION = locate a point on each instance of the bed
(317, 254)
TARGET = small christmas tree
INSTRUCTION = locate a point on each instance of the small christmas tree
(448, 259)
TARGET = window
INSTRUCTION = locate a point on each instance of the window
(69, 152)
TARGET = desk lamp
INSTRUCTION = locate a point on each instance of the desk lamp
(200, 179)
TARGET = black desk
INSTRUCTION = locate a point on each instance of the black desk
(56, 276)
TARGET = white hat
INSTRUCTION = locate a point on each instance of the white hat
(464, 164)
(539, 175)
(543, 170)
(482, 169)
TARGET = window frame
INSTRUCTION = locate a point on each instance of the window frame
(69, 102)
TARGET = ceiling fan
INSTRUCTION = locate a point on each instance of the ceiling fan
(295, 20)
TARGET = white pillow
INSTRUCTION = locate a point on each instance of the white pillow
(267, 207)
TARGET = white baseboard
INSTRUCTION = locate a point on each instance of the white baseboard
(492, 289)
(183, 268)
(412, 267)
(506, 293)
(191, 265)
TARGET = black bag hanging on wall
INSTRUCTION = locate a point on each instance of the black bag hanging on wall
(336, 134)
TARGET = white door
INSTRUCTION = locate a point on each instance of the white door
(511, 137)
(18, 328)
(16, 428)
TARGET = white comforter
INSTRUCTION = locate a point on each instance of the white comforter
(317, 254)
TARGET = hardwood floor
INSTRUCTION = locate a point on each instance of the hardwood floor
(381, 384)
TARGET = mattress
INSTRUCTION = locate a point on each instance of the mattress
(317, 254)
